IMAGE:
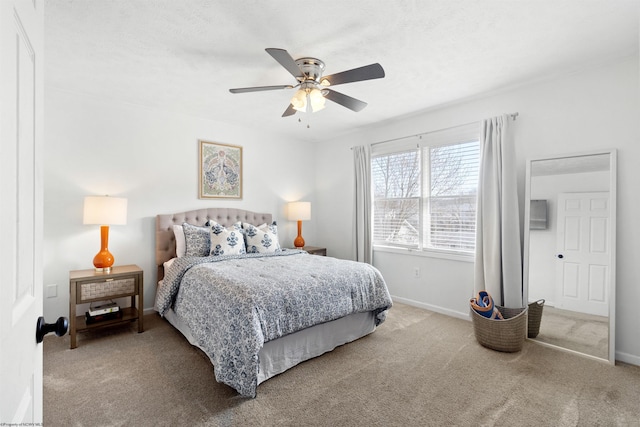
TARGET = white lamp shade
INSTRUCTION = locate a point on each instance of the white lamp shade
(105, 210)
(299, 211)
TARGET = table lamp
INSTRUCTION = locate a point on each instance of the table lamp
(104, 211)
(299, 211)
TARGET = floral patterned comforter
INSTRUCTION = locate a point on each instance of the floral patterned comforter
(234, 304)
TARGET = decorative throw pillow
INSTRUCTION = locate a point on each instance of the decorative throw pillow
(226, 241)
(167, 264)
(261, 239)
(197, 241)
(181, 248)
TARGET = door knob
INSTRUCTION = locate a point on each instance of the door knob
(42, 328)
(560, 256)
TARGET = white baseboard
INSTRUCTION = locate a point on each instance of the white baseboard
(435, 308)
(627, 358)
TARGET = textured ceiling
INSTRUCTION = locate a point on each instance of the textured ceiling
(183, 56)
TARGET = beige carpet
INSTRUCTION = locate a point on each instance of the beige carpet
(580, 332)
(418, 369)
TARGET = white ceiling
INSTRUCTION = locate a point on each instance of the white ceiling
(183, 56)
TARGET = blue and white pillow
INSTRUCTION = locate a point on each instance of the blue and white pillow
(197, 241)
(261, 239)
(226, 241)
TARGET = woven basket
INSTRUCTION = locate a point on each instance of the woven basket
(503, 335)
(535, 316)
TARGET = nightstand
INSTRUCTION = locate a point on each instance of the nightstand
(86, 286)
(314, 250)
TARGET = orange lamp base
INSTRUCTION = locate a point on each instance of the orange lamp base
(299, 241)
(103, 259)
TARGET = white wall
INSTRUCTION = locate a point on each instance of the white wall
(150, 157)
(590, 110)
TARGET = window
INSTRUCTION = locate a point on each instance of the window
(424, 197)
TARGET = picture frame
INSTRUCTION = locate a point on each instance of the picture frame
(220, 171)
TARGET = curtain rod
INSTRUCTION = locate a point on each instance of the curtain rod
(512, 115)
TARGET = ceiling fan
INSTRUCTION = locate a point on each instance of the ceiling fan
(313, 86)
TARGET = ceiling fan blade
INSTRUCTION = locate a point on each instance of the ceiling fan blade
(259, 88)
(290, 111)
(344, 100)
(283, 57)
(368, 72)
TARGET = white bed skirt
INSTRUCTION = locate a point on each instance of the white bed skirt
(283, 353)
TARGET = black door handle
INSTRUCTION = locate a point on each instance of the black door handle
(560, 256)
(42, 328)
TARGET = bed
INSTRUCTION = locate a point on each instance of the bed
(260, 313)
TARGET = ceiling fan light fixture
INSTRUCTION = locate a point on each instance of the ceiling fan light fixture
(299, 100)
(316, 99)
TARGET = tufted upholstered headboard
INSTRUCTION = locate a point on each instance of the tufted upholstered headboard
(166, 241)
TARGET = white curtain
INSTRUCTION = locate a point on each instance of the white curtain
(498, 264)
(362, 209)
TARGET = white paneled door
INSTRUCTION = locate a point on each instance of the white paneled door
(583, 252)
(21, 58)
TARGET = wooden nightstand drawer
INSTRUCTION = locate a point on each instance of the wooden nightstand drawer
(106, 289)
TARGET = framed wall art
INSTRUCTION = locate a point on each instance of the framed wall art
(220, 171)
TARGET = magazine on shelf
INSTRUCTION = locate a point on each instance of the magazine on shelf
(103, 308)
(101, 317)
